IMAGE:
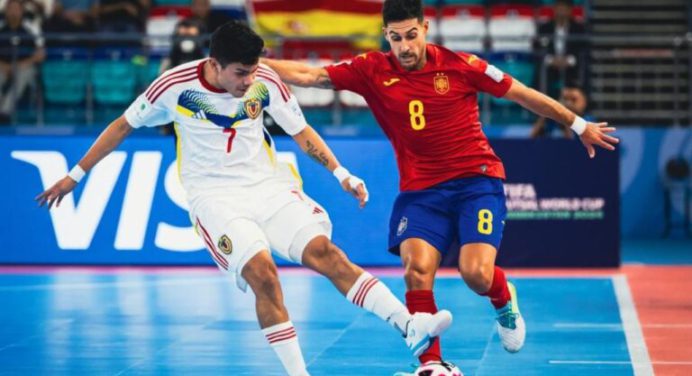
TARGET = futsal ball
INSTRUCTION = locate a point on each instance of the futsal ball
(438, 369)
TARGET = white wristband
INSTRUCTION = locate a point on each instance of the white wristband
(578, 125)
(76, 173)
(341, 173)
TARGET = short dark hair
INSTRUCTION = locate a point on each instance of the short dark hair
(400, 10)
(235, 42)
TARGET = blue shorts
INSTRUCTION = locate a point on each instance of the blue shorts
(467, 210)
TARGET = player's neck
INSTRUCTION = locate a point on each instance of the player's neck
(210, 75)
(422, 62)
(420, 65)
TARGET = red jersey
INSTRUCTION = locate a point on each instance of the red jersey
(430, 115)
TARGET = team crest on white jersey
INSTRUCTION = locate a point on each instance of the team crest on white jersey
(253, 107)
(403, 224)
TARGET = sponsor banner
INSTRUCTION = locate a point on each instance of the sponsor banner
(563, 208)
(644, 154)
(131, 209)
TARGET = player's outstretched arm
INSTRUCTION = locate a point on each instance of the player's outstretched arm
(109, 139)
(300, 74)
(314, 146)
(591, 134)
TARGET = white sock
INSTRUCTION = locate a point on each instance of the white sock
(284, 340)
(372, 295)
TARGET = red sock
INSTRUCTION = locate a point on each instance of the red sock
(424, 301)
(498, 292)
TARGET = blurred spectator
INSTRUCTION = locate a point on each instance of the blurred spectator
(186, 45)
(120, 16)
(572, 96)
(562, 49)
(21, 48)
(209, 19)
(35, 11)
(70, 16)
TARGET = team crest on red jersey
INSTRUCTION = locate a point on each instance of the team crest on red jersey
(253, 107)
(441, 83)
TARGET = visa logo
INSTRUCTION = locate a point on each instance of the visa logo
(75, 224)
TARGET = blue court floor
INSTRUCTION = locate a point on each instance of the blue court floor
(195, 322)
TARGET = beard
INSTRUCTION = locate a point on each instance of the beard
(408, 60)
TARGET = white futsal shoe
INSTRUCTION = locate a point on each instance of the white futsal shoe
(424, 327)
(510, 324)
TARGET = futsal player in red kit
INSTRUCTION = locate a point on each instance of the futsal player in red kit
(425, 99)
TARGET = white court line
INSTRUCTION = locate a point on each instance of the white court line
(615, 362)
(641, 363)
(338, 337)
(594, 325)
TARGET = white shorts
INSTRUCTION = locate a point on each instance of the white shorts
(236, 226)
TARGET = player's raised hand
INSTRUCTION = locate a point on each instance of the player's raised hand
(356, 186)
(597, 134)
(55, 193)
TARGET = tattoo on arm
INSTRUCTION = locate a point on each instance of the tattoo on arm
(323, 80)
(317, 155)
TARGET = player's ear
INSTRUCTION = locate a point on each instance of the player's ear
(215, 63)
(386, 36)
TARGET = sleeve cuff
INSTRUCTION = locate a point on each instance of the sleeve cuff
(130, 120)
(296, 130)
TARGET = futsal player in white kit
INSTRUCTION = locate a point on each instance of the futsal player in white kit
(243, 201)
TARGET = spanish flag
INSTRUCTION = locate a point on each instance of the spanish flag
(320, 19)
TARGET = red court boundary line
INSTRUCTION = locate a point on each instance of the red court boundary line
(662, 296)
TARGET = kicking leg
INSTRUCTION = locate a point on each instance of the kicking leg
(367, 292)
(477, 267)
(261, 274)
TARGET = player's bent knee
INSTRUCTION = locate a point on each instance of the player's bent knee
(318, 248)
(314, 236)
(419, 278)
(325, 257)
(478, 276)
(261, 274)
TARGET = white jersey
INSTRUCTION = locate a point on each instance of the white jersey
(222, 142)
